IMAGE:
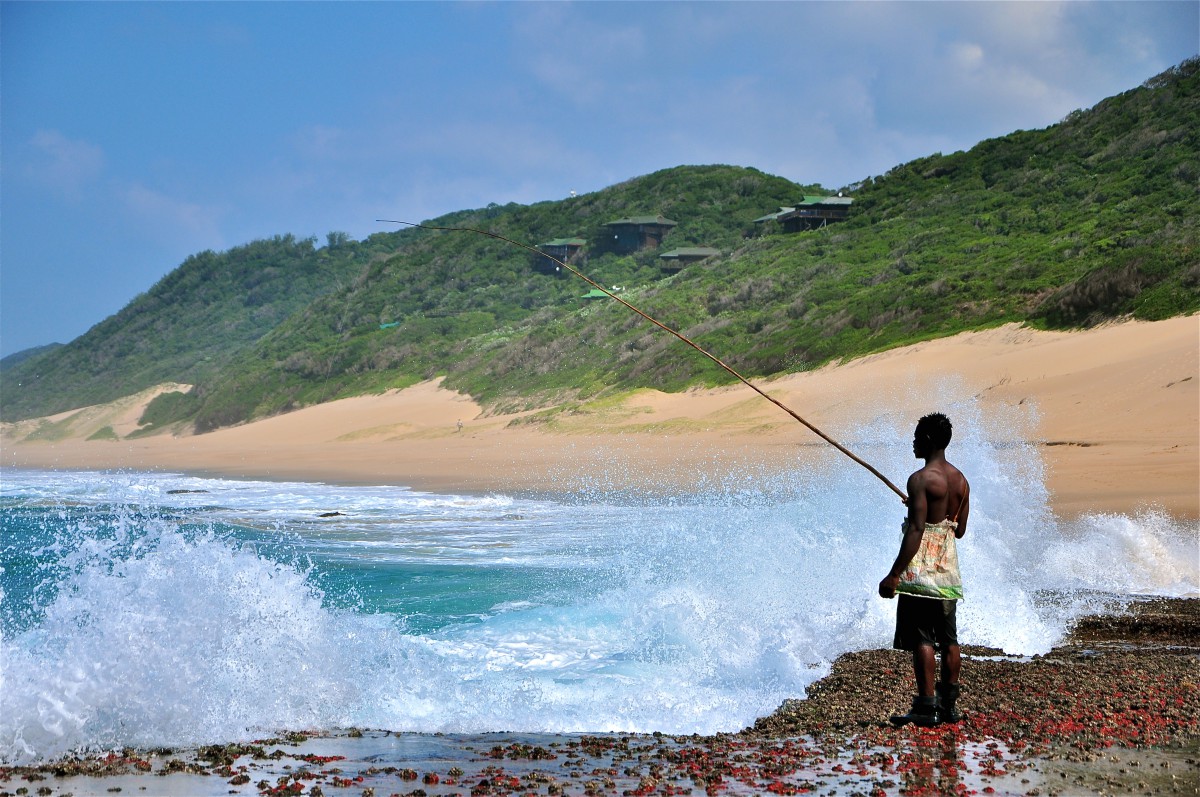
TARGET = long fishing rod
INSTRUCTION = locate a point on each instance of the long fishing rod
(677, 334)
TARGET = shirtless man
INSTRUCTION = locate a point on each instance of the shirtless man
(925, 574)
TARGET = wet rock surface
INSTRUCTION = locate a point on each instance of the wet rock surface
(1123, 684)
(1171, 621)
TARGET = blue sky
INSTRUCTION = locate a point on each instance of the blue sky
(134, 134)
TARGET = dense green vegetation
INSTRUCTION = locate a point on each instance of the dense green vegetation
(15, 359)
(1087, 220)
(187, 327)
(164, 410)
(446, 292)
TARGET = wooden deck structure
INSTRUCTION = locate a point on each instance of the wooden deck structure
(676, 259)
(811, 213)
(568, 250)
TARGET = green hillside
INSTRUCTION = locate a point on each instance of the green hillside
(16, 358)
(186, 328)
(1087, 220)
(418, 313)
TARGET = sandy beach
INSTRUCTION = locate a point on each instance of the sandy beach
(1114, 411)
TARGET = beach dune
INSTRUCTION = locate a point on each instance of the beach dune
(1114, 411)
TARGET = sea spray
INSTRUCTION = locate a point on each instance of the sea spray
(171, 636)
(154, 609)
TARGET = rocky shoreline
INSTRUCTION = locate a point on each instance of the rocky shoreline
(1123, 681)
(1115, 709)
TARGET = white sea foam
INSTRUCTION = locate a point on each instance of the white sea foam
(694, 615)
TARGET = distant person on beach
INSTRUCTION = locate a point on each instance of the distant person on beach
(925, 574)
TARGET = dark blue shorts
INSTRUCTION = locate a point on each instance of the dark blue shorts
(925, 621)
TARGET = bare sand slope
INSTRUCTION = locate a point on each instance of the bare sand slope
(1117, 411)
(114, 420)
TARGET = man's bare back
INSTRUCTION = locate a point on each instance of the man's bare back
(941, 490)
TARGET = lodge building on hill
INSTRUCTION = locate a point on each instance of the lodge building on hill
(568, 250)
(811, 213)
(636, 233)
(623, 236)
(676, 259)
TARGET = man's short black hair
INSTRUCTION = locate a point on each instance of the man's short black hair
(935, 430)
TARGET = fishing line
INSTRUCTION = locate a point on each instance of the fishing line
(677, 334)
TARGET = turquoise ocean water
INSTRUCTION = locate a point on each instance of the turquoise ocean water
(156, 609)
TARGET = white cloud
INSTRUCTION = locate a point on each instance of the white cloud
(1029, 28)
(817, 92)
(62, 165)
(967, 55)
(417, 165)
(573, 54)
(321, 142)
(502, 147)
(173, 220)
